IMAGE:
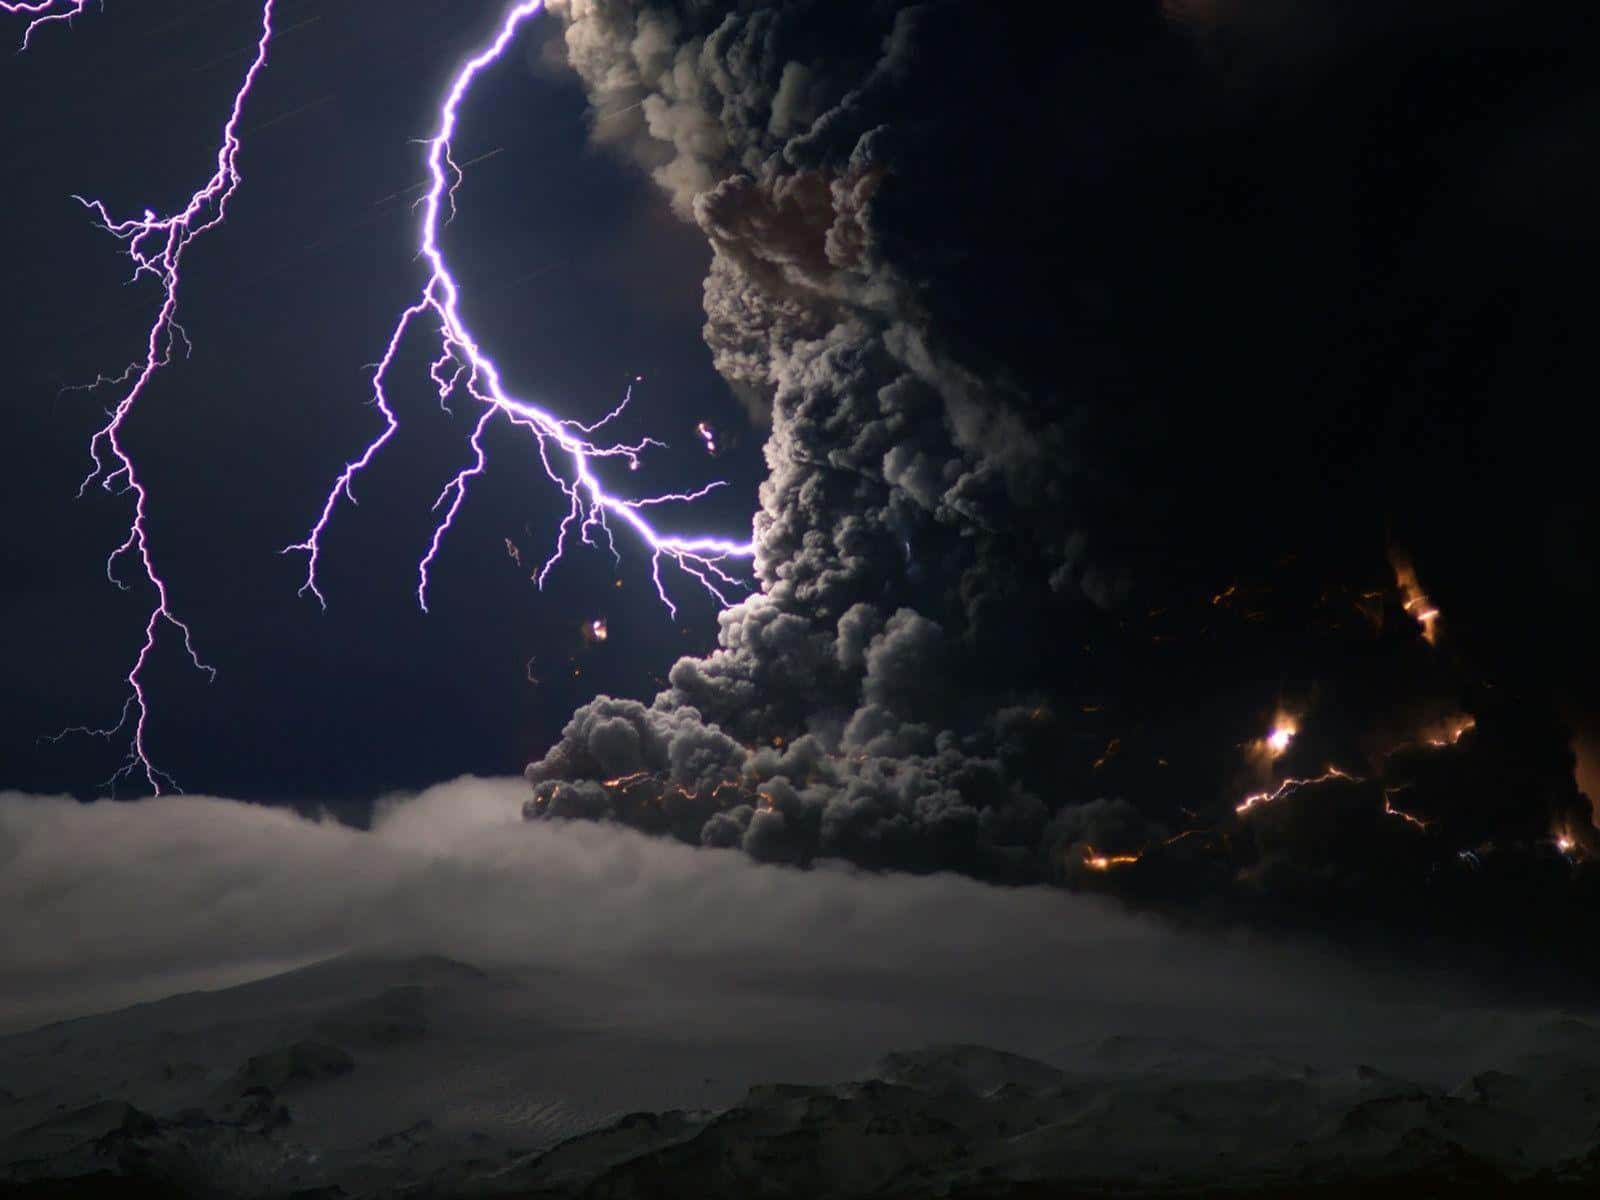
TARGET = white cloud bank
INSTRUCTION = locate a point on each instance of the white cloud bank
(106, 904)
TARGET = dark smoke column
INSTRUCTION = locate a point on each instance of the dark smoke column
(1090, 348)
(874, 699)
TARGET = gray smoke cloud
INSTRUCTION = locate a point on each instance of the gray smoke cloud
(1072, 382)
(860, 704)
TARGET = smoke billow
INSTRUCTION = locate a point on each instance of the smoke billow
(1114, 359)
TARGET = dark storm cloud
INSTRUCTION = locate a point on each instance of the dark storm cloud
(1106, 371)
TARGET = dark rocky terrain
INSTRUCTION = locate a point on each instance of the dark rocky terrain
(140, 1102)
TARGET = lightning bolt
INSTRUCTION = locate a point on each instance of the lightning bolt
(156, 244)
(1289, 786)
(1389, 793)
(41, 13)
(565, 452)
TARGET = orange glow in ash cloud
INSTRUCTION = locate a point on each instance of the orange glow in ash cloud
(1274, 744)
(1449, 731)
(1104, 862)
(1414, 600)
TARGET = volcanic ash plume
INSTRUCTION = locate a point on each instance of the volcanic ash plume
(1058, 514)
(868, 700)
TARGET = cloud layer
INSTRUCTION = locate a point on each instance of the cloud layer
(111, 903)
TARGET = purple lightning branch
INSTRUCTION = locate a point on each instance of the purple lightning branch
(463, 366)
(42, 12)
(156, 245)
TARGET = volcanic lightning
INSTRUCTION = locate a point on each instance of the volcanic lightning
(42, 12)
(1290, 786)
(463, 366)
(1389, 794)
(156, 244)
(1274, 744)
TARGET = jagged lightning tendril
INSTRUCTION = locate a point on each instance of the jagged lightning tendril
(156, 245)
(463, 367)
(41, 12)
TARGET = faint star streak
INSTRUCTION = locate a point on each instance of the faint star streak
(156, 245)
(463, 365)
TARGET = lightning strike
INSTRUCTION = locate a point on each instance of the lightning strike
(1388, 807)
(1289, 787)
(41, 13)
(463, 366)
(156, 245)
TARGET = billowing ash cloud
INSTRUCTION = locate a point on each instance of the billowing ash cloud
(853, 708)
(1097, 358)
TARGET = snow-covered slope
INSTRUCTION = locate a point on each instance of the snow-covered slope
(428, 1076)
(363, 1071)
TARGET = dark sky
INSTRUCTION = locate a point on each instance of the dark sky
(577, 279)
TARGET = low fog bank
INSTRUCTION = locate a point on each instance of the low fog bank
(110, 904)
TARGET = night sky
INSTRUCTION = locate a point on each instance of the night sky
(1134, 379)
(579, 279)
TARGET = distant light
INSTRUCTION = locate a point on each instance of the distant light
(1096, 861)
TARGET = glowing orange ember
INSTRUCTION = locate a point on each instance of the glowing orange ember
(1104, 862)
(1272, 745)
(1450, 731)
(1414, 600)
